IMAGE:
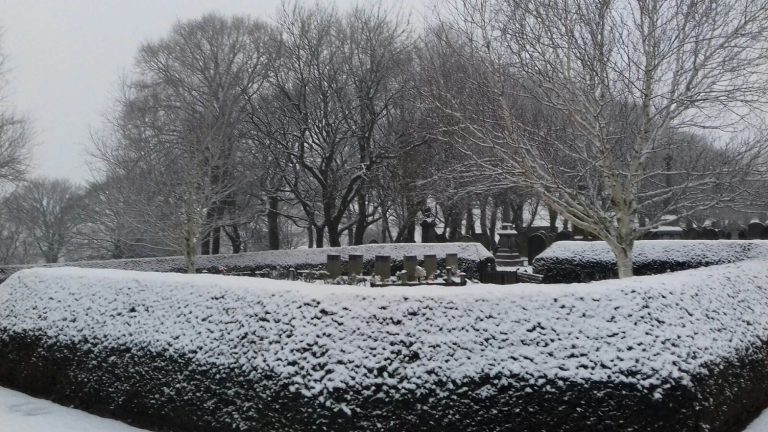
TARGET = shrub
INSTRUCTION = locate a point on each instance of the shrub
(677, 352)
(575, 261)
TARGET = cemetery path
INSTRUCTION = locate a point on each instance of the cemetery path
(22, 413)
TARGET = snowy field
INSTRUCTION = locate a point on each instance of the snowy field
(22, 413)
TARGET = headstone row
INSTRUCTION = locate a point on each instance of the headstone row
(383, 265)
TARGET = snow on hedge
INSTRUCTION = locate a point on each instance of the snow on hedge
(578, 261)
(715, 251)
(650, 332)
(283, 258)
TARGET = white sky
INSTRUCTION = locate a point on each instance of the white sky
(66, 58)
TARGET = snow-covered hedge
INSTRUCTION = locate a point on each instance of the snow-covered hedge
(577, 261)
(678, 352)
(473, 258)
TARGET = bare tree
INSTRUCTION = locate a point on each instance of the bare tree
(47, 210)
(15, 135)
(578, 99)
(179, 128)
(333, 83)
(16, 247)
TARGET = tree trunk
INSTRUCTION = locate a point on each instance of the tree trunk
(319, 234)
(216, 241)
(191, 233)
(310, 237)
(469, 229)
(384, 225)
(235, 239)
(272, 223)
(189, 253)
(334, 237)
(205, 244)
(623, 260)
(506, 211)
(484, 217)
(362, 219)
(492, 226)
(51, 258)
(552, 220)
(455, 218)
(410, 233)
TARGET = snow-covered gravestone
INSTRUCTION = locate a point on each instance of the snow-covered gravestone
(410, 262)
(333, 266)
(355, 265)
(430, 265)
(383, 267)
(452, 260)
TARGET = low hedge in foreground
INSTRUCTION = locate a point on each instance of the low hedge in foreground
(678, 352)
(474, 258)
(578, 261)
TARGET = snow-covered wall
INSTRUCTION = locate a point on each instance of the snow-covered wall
(576, 261)
(471, 255)
(649, 353)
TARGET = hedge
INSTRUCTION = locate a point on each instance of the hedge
(679, 352)
(473, 259)
(578, 261)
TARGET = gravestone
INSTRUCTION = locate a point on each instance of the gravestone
(536, 245)
(692, 234)
(355, 266)
(452, 261)
(428, 232)
(409, 263)
(333, 265)
(383, 267)
(755, 230)
(430, 265)
(563, 235)
(709, 234)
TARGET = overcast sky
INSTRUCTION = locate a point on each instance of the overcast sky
(66, 58)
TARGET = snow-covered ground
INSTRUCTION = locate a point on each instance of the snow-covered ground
(22, 413)
(760, 424)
